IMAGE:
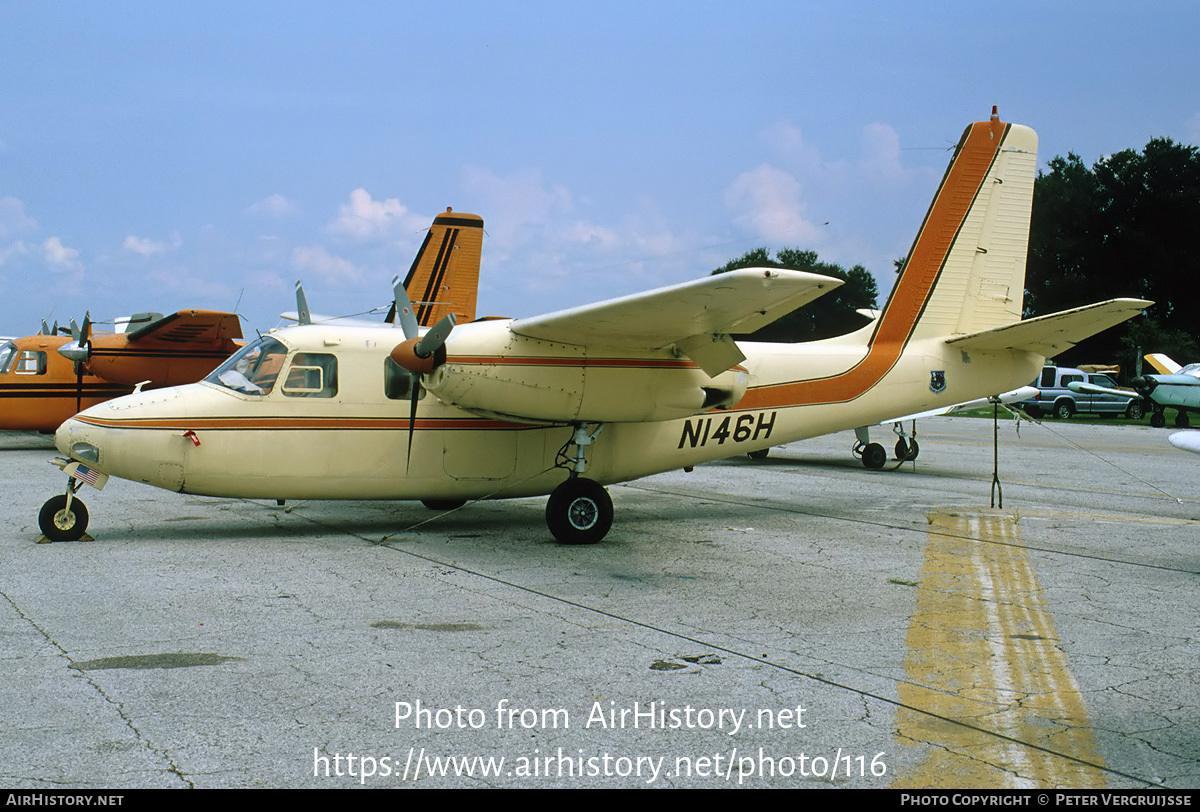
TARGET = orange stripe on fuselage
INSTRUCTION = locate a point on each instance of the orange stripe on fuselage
(300, 423)
(977, 152)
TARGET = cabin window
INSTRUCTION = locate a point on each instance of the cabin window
(253, 369)
(31, 362)
(7, 353)
(398, 382)
(311, 375)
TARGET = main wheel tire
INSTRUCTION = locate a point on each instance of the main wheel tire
(1158, 420)
(443, 504)
(907, 450)
(761, 454)
(1181, 419)
(874, 456)
(60, 523)
(579, 511)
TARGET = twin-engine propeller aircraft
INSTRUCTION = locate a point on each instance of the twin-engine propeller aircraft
(1175, 386)
(565, 403)
(46, 378)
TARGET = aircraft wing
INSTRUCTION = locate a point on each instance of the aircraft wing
(695, 316)
(1051, 334)
(190, 327)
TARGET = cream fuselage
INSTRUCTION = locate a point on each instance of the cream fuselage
(210, 439)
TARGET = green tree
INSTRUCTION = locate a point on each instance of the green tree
(1120, 229)
(831, 315)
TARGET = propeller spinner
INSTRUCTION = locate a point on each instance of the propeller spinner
(80, 348)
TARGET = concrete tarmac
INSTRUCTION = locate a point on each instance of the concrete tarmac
(792, 622)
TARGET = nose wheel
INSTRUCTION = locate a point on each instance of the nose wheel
(63, 518)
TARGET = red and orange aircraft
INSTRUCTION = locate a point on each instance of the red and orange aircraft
(47, 378)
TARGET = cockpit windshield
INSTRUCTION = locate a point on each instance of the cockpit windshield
(8, 351)
(253, 369)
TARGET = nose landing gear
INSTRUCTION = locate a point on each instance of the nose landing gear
(64, 517)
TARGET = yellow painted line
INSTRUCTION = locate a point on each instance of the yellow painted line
(983, 650)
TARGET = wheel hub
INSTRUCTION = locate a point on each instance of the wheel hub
(582, 514)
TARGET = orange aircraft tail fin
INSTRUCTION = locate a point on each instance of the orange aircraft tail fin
(444, 277)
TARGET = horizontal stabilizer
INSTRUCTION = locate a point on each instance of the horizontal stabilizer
(1051, 334)
(190, 327)
(1187, 440)
(1013, 396)
(696, 316)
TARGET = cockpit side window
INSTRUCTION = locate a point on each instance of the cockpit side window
(31, 362)
(312, 375)
(252, 370)
(398, 382)
(8, 351)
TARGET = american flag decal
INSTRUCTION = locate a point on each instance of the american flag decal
(87, 474)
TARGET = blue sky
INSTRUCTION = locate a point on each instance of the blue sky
(162, 156)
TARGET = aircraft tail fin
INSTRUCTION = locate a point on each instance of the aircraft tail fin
(965, 271)
(444, 277)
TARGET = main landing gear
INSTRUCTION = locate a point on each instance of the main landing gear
(874, 456)
(579, 511)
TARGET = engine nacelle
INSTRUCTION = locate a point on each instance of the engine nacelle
(581, 387)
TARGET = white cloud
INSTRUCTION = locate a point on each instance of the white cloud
(881, 153)
(517, 206)
(325, 265)
(59, 255)
(13, 220)
(273, 206)
(148, 247)
(365, 219)
(766, 202)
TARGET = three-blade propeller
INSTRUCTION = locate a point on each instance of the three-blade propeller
(417, 354)
(79, 349)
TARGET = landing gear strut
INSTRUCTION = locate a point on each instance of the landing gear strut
(579, 510)
(907, 447)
